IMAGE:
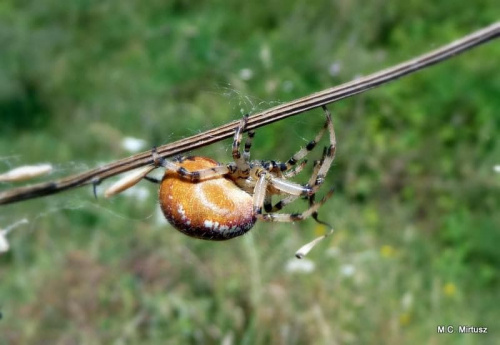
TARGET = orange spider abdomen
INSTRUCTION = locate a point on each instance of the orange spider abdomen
(210, 209)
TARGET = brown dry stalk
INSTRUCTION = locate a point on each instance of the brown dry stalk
(266, 117)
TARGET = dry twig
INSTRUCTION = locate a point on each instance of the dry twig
(280, 112)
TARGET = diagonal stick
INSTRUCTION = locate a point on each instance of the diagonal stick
(266, 117)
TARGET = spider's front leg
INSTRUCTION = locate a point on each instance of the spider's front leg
(242, 160)
(136, 176)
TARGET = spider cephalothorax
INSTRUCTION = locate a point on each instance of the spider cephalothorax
(205, 199)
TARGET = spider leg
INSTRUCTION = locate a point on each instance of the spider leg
(152, 179)
(295, 190)
(320, 169)
(283, 202)
(317, 166)
(268, 206)
(261, 199)
(259, 192)
(136, 176)
(193, 176)
(283, 185)
(289, 187)
(293, 217)
(204, 174)
(241, 162)
(248, 145)
(244, 183)
(296, 170)
(291, 198)
(309, 147)
(95, 182)
(315, 214)
(328, 155)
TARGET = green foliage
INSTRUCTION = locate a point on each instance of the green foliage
(417, 198)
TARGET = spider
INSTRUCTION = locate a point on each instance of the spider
(208, 200)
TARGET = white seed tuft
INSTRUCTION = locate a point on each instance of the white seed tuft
(306, 248)
(4, 243)
(25, 172)
(133, 144)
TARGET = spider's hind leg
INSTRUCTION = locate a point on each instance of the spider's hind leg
(314, 215)
(293, 217)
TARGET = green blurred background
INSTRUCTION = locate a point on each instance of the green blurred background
(415, 212)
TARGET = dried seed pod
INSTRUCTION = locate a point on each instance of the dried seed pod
(25, 172)
(128, 180)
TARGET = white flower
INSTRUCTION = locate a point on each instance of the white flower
(265, 56)
(334, 68)
(139, 193)
(133, 144)
(347, 270)
(496, 168)
(333, 252)
(246, 74)
(300, 266)
(407, 300)
(287, 86)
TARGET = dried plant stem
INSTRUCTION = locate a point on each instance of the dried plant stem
(298, 106)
